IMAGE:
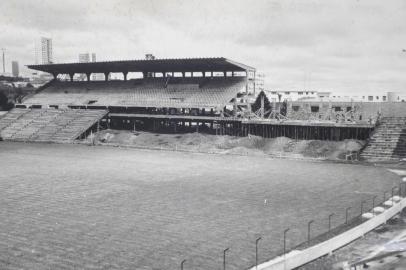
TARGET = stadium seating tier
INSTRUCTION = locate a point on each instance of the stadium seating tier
(150, 92)
(47, 125)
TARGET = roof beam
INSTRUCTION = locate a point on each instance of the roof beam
(158, 65)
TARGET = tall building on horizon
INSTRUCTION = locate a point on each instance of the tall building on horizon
(4, 60)
(15, 69)
(87, 57)
(43, 51)
(84, 57)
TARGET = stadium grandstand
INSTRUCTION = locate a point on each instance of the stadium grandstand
(164, 83)
(212, 95)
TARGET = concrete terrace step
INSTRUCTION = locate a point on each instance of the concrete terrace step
(388, 142)
(377, 153)
(382, 155)
(48, 124)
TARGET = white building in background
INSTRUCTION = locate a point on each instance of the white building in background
(259, 82)
(275, 96)
(365, 97)
(396, 97)
(15, 69)
(84, 57)
(46, 50)
(43, 51)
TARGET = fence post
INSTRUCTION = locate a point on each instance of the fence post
(181, 264)
(393, 193)
(284, 240)
(224, 258)
(329, 221)
(308, 231)
(373, 205)
(346, 214)
(256, 252)
(362, 208)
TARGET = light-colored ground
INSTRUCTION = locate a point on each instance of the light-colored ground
(83, 207)
(387, 238)
(252, 145)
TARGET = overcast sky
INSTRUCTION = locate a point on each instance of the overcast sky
(347, 46)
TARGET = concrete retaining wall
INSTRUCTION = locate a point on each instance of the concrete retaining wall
(298, 258)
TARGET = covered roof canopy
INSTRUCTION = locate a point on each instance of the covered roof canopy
(158, 65)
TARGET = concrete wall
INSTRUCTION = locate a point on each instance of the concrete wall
(297, 258)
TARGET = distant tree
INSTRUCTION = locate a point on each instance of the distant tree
(284, 108)
(19, 91)
(4, 104)
(257, 104)
(3, 100)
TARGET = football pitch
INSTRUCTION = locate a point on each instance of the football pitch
(82, 207)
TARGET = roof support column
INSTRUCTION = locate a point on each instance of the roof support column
(204, 74)
(255, 75)
(106, 76)
(183, 74)
(88, 76)
(225, 73)
(71, 76)
(125, 73)
(55, 75)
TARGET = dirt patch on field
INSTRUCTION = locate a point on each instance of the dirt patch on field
(251, 145)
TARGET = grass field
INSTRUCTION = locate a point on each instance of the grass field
(82, 207)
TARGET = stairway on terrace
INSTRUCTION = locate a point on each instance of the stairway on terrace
(388, 141)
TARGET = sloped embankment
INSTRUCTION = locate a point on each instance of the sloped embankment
(252, 145)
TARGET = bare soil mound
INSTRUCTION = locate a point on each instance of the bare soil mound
(251, 145)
